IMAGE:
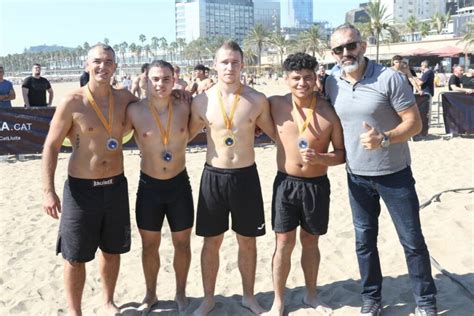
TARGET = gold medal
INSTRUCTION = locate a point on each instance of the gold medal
(302, 142)
(164, 134)
(111, 143)
(229, 139)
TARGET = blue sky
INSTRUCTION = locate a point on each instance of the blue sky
(25, 23)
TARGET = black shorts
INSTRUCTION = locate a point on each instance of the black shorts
(300, 201)
(95, 213)
(230, 190)
(157, 198)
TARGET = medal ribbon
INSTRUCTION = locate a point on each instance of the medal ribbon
(228, 119)
(107, 123)
(309, 115)
(163, 133)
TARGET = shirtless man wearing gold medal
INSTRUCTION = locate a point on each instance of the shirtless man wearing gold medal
(230, 184)
(160, 124)
(95, 211)
(306, 124)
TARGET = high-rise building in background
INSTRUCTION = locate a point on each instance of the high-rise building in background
(208, 18)
(400, 10)
(297, 13)
(358, 15)
(267, 13)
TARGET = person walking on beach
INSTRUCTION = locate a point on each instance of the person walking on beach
(426, 82)
(378, 113)
(305, 126)
(7, 93)
(179, 83)
(229, 183)
(34, 89)
(140, 84)
(160, 123)
(95, 209)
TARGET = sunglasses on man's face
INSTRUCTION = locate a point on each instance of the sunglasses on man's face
(340, 49)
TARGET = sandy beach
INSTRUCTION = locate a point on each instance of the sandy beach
(31, 276)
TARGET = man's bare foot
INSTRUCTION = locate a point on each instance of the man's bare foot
(148, 303)
(252, 304)
(276, 310)
(110, 309)
(315, 302)
(182, 301)
(206, 307)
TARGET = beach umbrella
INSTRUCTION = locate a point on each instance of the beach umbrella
(447, 51)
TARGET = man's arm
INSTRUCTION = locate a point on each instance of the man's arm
(25, 96)
(265, 120)
(11, 95)
(136, 87)
(338, 155)
(196, 123)
(408, 127)
(51, 96)
(59, 128)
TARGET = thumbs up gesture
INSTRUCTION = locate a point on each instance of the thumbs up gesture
(372, 138)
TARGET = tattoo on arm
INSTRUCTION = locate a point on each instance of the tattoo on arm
(78, 141)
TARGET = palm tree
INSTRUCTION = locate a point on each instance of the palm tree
(106, 41)
(468, 40)
(412, 25)
(257, 37)
(378, 22)
(147, 50)
(280, 42)
(133, 49)
(155, 43)
(424, 29)
(181, 46)
(123, 50)
(313, 40)
(173, 49)
(163, 46)
(142, 38)
(440, 21)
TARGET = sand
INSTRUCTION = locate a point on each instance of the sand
(31, 276)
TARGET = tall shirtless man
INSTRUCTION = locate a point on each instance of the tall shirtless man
(161, 132)
(230, 183)
(95, 211)
(306, 124)
(140, 83)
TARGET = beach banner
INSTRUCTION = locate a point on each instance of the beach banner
(23, 131)
(458, 112)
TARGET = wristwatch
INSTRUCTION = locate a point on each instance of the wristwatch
(385, 141)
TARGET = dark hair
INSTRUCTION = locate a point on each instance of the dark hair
(233, 46)
(348, 26)
(161, 64)
(36, 64)
(207, 69)
(200, 67)
(299, 61)
(145, 67)
(397, 57)
(105, 47)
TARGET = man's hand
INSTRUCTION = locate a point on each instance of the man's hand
(51, 204)
(371, 139)
(185, 95)
(310, 156)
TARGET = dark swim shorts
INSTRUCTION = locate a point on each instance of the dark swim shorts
(300, 201)
(230, 190)
(157, 198)
(95, 213)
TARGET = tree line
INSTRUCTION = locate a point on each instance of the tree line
(258, 40)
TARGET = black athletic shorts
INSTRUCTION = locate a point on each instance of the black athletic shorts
(95, 213)
(300, 201)
(230, 190)
(157, 198)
